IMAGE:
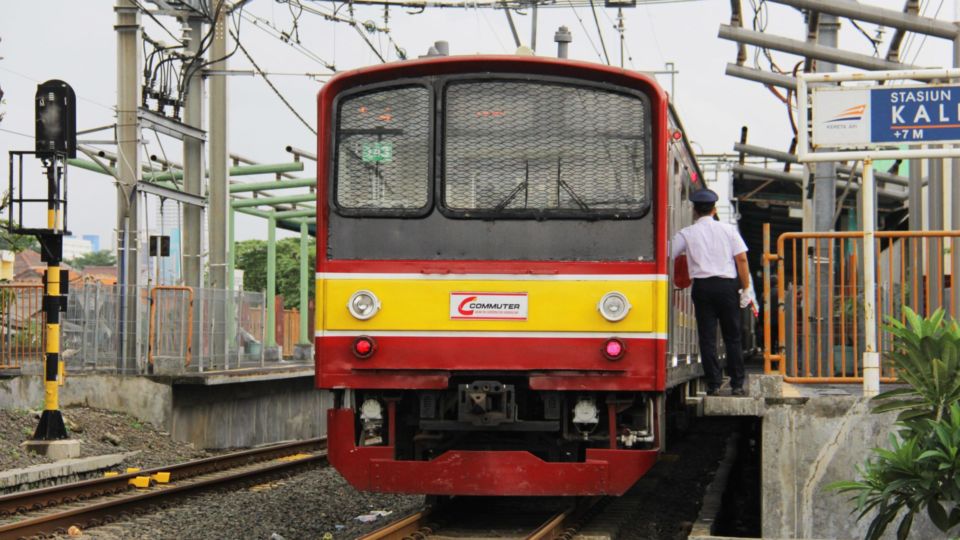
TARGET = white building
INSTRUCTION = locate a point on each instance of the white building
(75, 247)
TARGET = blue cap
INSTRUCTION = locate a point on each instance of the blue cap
(704, 196)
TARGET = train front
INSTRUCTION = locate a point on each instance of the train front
(491, 285)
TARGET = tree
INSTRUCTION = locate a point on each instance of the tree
(921, 469)
(9, 241)
(251, 257)
(103, 257)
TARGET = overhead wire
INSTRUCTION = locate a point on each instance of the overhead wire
(267, 27)
(272, 86)
(585, 31)
(160, 24)
(911, 36)
(360, 27)
(603, 45)
(38, 81)
(923, 40)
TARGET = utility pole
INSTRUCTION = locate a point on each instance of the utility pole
(621, 29)
(193, 169)
(824, 198)
(955, 194)
(128, 173)
(218, 192)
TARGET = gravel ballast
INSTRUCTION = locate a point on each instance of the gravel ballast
(100, 432)
(309, 505)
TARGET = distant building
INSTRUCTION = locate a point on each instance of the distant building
(75, 247)
(6, 265)
(94, 240)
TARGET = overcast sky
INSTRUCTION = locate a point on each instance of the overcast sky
(74, 41)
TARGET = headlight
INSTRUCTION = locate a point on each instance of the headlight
(363, 305)
(614, 306)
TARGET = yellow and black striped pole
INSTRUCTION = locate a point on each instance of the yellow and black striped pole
(51, 426)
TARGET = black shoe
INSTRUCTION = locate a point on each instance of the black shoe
(738, 392)
(713, 391)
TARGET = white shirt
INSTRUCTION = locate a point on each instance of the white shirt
(710, 247)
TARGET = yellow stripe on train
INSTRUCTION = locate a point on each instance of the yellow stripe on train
(552, 305)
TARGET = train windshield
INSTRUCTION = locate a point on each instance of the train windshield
(539, 149)
(383, 152)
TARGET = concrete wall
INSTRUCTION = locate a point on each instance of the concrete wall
(227, 415)
(137, 396)
(248, 414)
(809, 443)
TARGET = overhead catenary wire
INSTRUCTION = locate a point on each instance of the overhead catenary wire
(271, 85)
(360, 27)
(266, 26)
(923, 40)
(585, 31)
(603, 45)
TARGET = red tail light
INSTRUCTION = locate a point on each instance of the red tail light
(364, 347)
(614, 349)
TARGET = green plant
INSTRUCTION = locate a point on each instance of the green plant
(921, 469)
(927, 357)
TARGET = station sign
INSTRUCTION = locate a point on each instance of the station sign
(885, 115)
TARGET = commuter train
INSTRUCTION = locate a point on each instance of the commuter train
(494, 314)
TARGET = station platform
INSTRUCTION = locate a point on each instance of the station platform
(811, 436)
(213, 409)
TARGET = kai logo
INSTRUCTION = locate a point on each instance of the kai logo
(852, 114)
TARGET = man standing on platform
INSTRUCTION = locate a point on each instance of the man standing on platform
(717, 261)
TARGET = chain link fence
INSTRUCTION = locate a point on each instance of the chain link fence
(185, 330)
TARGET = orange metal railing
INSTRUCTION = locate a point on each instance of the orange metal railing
(291, 330)
(21, 324)
(818, 308)
(170, 308)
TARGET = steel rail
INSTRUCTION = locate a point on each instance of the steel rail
(417, 526)
(184, 478)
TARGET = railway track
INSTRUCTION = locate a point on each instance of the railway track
(483, 520)
(95, 502)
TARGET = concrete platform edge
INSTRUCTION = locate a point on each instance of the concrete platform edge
(65, 467)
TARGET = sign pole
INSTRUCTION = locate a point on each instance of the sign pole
(871, 357)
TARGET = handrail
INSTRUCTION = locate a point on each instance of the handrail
(825, 323)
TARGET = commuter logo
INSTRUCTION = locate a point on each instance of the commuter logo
(479, 306)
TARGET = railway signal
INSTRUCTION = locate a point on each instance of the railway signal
(55, 106)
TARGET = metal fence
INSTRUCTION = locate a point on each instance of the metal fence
(21, 324)
(184, 329)
(99, 330)
(813, 316)
(206, 329)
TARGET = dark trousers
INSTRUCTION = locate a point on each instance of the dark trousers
(716, 299)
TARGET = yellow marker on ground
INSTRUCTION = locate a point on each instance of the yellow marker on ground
(161, 477)
(140, 482)
(293, 457)
(131, 470)
(109, 474)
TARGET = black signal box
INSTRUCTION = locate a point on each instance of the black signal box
(56, 119)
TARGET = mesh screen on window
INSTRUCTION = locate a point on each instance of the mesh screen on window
(517, 147)
(383, 150)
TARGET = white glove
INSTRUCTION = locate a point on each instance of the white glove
(746, 297)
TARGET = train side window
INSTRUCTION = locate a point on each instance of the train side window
(382, 155)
